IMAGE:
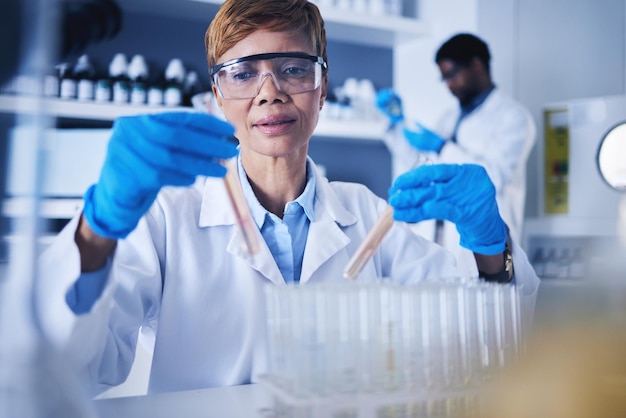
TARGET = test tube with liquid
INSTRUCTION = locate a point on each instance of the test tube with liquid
(369, 244)
(375, 235)
(246, 224)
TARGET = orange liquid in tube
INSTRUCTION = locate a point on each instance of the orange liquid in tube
(246, 224)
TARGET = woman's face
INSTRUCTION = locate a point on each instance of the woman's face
(273, 123)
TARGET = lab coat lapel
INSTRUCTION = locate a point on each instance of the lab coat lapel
(325, 231)
(217, 211)
(330, 239)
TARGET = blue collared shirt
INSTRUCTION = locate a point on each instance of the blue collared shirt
(286, 237)
(469, 108)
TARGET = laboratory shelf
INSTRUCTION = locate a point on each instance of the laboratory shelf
(75, 109)
(341, 25)
(356, 129)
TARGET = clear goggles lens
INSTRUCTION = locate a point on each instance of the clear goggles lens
(291, 73)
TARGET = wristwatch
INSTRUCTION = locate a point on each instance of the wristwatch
(506, 275)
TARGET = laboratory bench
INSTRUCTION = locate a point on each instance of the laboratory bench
(259, 400)
(245, 401)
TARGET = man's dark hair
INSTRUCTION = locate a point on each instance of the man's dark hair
(462, 48)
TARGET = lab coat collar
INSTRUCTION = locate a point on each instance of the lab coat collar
(329, 217)
(215, 209)
(306, 200)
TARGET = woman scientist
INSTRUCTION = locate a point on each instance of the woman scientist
(169, 259)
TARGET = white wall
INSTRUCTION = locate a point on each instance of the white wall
(416, 76)
(543, 52)
(567, 49)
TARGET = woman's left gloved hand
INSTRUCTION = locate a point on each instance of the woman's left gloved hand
(462, 194)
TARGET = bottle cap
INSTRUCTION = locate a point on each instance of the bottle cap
(138, 68)
(192, 82)
(118, 65)
(175, 70)
(84, 66)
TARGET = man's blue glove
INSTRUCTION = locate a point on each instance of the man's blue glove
(424, 139)
(388, 102)
(148, 152)
(462, 194)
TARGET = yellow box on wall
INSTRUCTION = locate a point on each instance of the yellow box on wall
(556, 162)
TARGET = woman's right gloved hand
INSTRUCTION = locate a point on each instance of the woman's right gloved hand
(147, 152)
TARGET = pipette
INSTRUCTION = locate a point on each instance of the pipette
(246, 224)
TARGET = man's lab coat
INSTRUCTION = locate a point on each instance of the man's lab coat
(499, 135)
(184, 275)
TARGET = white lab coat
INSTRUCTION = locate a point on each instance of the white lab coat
(183, 274)
(499, 135)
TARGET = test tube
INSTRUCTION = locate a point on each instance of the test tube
(376, 234)
(240, 207)
(369, 244)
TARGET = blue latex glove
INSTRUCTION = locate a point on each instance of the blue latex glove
(424, 139)
(462, 194)
(388, 102)
(148, 152)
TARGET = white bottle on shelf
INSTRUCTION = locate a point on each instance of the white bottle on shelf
(138, 75)
(191, 88)
(51, 83)
(84, 74)
(360, 6)
(67, 82)
(102, 92)
(393, 7)
(174, 78)
(120, 85)
(377, 7)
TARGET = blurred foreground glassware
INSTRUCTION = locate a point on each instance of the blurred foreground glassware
(376, 346)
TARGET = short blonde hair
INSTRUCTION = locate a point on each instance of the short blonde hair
(237, 19)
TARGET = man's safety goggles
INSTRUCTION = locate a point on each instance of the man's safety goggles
(291, 73)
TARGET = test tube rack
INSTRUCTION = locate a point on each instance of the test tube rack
(379, 349)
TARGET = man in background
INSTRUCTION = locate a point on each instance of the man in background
(486, 128)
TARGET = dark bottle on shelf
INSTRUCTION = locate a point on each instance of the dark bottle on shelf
(67, 82)
(191, 88)
(120, 84)
(174, 81)
(138, 74)
(85, 75)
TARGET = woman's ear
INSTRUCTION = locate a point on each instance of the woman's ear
(324, 90)
(218, 98)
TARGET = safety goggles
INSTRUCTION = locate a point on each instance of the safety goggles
(291, 73)
(453, 72)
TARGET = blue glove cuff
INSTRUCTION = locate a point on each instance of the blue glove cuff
(98, 227)
(493, 248)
